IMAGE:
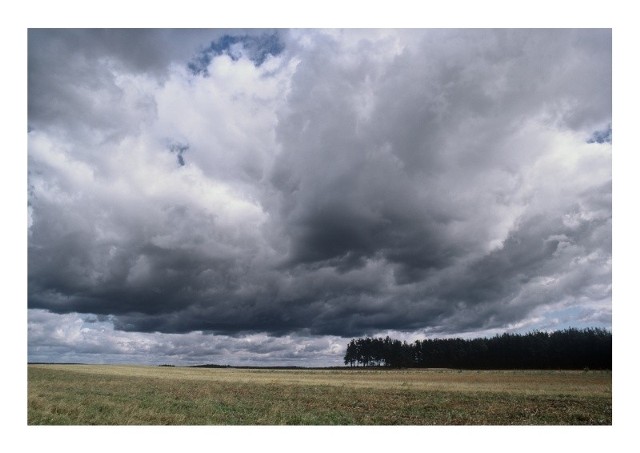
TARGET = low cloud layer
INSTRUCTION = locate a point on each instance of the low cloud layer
(299, 187)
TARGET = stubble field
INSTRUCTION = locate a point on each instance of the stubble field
(138, 395)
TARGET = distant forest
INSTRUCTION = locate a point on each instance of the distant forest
(564, 349)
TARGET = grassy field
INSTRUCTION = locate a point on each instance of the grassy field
(136, 395)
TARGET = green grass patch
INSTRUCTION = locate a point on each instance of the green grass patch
(118, 395)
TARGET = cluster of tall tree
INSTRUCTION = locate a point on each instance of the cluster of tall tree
(564, 349)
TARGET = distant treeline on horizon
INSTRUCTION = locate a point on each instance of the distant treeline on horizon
(570, 349)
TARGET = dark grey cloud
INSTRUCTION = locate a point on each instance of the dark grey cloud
(320, 182)
(394, 180)
(73, 75)
(72, 72)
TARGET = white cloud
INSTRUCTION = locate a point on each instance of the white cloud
(73, 337)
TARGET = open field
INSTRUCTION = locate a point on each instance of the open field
(137, 395)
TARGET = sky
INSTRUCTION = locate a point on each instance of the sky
(260, 197)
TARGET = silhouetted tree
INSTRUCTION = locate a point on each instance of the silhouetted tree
(564, 349)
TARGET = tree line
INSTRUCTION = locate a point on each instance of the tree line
(564, 349)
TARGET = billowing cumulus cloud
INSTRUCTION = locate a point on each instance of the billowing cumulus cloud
(295, 187)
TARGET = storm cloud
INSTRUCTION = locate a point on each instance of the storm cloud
(191, 190)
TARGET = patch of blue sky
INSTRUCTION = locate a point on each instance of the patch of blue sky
(575, 317)
(256, 47)
(603, 136)
(179, 149)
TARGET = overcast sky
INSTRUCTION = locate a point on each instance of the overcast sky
(261, 197)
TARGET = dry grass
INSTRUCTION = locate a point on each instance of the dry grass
(125, 395)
